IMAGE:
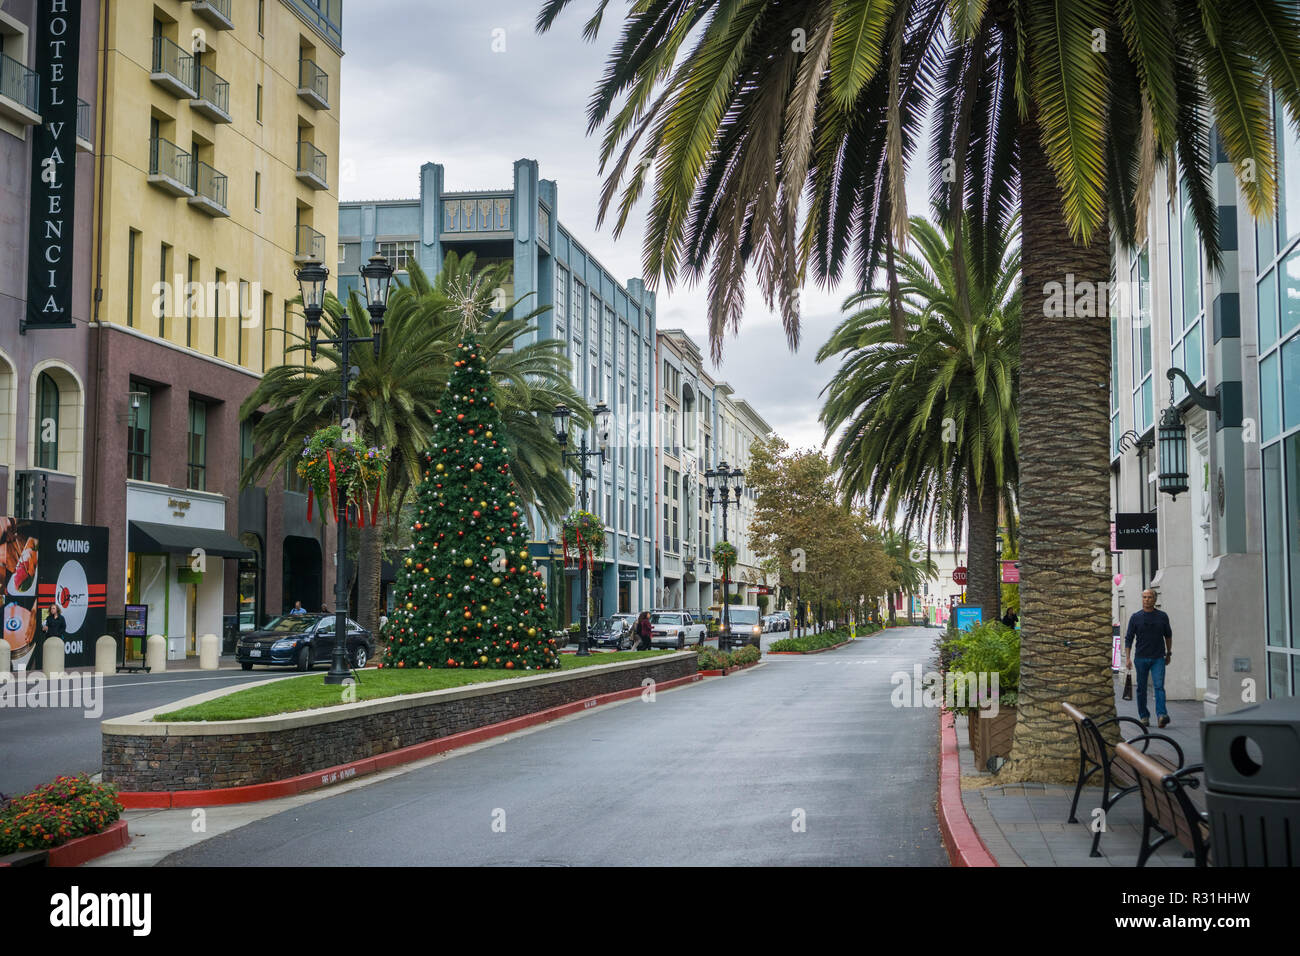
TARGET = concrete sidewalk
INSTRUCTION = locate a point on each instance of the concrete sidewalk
(1025, 824)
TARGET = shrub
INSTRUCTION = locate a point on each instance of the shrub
(811, 642)
(711, 660)
(989, 647)
(749, 654)
(57, 812)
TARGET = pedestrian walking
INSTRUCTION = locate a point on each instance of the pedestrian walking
(56, 625)
(1150, 629)
(644, 631)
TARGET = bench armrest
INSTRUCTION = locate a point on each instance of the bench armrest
(1146, 738)
(1185, 775)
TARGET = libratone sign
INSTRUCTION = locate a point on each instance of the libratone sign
(54, 167)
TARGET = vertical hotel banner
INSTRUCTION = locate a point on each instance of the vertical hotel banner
(54, 167)
(43, 563)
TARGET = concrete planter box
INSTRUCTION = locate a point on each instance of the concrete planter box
(141, 755)
(991, 736)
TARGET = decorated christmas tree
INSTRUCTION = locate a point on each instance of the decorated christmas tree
(467, 595)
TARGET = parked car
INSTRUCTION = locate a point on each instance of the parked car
(302, 641)
(674, 628)
(746, 624)
(615, 632)
(781, 620)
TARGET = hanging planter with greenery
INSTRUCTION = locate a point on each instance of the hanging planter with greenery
(583, 534)
(724, 553)
(335, 467)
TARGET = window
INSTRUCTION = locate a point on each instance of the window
(257, 188)
(266, 327)
(561, 301)
(593, 316)
(198, 446)
(216, 313)
(1143, 397)
(164, 301)
(261, 17)
(190, 275)
(137, 432)
(245, 445)
(398, 254)
(259, 102)
(243, 309)
(132, 265)
(47, 422)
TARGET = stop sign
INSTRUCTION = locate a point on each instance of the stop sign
(959, 576)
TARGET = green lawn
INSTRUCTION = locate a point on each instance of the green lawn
(310, 690)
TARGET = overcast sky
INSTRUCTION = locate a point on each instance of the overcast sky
(422, 83)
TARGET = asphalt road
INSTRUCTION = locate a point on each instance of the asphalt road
(38, 744)
(800, 761)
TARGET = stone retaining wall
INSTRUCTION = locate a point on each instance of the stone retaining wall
(142, 755)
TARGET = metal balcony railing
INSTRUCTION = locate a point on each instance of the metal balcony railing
(168, 160)
(313, 165)
(308, 243)
(209, 184)
(20, 84)
(313, 83)
(85, 121)
(216, 12)
(215, 91)
(173, 67)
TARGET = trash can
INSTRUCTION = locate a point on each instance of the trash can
(1252, 788)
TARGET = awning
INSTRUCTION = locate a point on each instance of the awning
(150, 537)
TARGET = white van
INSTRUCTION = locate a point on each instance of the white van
(746, 624)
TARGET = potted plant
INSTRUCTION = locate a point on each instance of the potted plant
(987, 649)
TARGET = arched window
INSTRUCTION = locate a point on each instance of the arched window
(47, 422)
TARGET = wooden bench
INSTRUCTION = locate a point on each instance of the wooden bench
(1166, 807)
(1118, 779)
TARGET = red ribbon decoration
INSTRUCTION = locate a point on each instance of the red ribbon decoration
(311, 493)
(578, 535)
(334, 488)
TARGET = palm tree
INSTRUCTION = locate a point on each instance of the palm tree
(911, 570)
(781, 139)
(927, 427)
(392, 397)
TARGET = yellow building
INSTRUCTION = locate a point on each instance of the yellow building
(217, 176)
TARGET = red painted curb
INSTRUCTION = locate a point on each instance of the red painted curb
(963, 843)
(166, 799)
(82, 849)
(723, 672)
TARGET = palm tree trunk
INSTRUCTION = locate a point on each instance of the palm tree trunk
(369, 565)
(1064, 482)
(982, 572)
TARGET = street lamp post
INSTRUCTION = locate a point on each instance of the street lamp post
(561, 419)
(376, 277)
(720, 482)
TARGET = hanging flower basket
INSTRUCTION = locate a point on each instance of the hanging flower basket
(724, 553)
(336, 468)
(583, 534)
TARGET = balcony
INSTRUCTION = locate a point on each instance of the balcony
(216, 12)
(209, 191)
(85, 127)
(313, 84)
(171, 169)
(313, 167)
(173, 69)
(20, 98)
(308, 244)
(213, 100)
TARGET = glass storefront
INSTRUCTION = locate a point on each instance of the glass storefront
(1277, 295)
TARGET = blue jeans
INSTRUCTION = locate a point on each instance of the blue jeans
(1155, 666)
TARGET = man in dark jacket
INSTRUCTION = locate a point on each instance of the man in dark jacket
(1150, 628)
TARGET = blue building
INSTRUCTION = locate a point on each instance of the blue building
(609, 328)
